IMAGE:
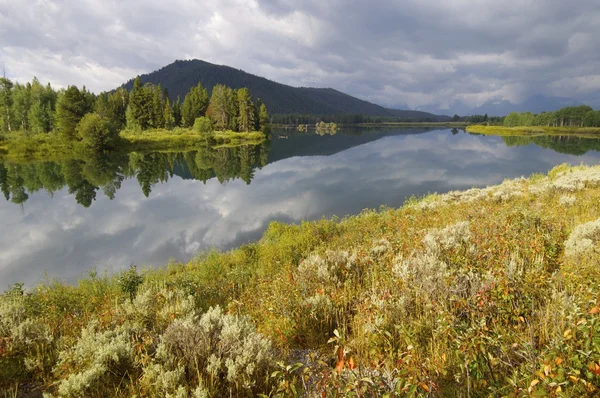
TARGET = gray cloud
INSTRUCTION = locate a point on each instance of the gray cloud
(416, 53)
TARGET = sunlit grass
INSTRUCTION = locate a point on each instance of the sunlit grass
(583, 132)
(485, 292)
(50, 147)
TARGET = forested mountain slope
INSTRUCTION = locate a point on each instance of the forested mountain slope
(178, 77)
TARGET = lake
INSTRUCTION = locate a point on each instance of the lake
(61, 219)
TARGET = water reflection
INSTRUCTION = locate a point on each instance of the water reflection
(571, 145)
(148, 208)
(83, 178)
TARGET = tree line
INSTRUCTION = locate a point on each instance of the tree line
(571, 116)
(79, 115)
(344, 119)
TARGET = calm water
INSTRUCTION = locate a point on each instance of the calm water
(64, 218)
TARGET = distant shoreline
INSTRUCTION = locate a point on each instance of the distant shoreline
(386, 124)
(592, 132)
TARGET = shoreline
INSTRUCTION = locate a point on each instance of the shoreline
(583, 132)
(457, 271)
(45, 147)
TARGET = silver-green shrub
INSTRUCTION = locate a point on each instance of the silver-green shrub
(224, 351)
(98, 361)
(154, 308)
(584, 240)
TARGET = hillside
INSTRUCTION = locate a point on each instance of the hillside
(180, 76)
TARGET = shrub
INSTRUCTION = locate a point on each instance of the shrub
(584, 240)
(130, 280)
(154, 309)
(204, 126)
(98, 363)
(223, 351)
(96, 133)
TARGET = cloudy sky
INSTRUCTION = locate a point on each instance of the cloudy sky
(413, 53)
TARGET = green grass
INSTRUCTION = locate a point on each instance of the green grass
(50, 147)
(487, 292)
(584, 132)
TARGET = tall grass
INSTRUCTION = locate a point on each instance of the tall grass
(486, 292)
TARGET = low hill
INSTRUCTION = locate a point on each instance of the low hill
(178, 77)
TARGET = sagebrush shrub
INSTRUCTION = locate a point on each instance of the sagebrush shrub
(585, 239)
(225, 351)
(96, 363)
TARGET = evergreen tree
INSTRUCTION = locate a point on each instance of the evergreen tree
(233, 110)
(257, 105)
(119, 102)
(140, 104)
(263, 116)
(71, 107)
(218, 109)
(245, 110)
(6, 120)
(158, 116)
(177, 112)
(169, 120)
(195, 104)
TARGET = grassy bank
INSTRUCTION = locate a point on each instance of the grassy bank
(49, 147)
(180, 138)
(589, 132)
(486, 292)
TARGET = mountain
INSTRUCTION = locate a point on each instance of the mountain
(178, 77)
(535, 104)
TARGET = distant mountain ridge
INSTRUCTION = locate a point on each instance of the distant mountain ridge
(534, 104)
(178, 77)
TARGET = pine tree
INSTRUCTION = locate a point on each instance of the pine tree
(140, 106)
(245, 110)
(158, 120)
(232, 109)
(218, 109)
(177, 112)
(70, 109)
(169, 120)
(195, 104)
(264, 118)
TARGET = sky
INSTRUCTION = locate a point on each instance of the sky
(417, 54)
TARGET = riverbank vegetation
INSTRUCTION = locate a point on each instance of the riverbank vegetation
(485, 292)
(534, 131)
(38, 121)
